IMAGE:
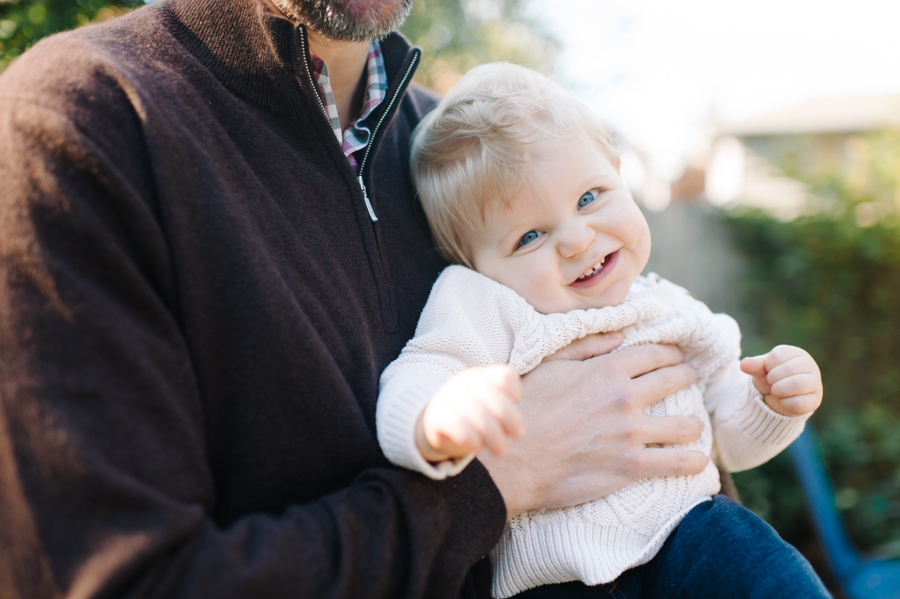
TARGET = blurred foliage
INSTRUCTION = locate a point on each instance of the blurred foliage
(830, 282)
(456, 35)
(24, 22)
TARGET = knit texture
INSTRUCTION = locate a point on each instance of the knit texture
(471, 320)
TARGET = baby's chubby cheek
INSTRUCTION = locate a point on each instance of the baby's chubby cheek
(542, 288)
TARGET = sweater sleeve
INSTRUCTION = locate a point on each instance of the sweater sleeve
(105, 484)
(747, 432)
(468, 321)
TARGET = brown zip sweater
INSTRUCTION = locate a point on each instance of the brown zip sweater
(195, 308)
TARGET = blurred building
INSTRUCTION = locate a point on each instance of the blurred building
(747, 158)
(692, 244)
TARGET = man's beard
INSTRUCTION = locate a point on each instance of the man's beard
(348, 20)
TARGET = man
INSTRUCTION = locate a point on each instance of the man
(202, 279)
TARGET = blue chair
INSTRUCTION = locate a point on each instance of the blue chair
(860, 577)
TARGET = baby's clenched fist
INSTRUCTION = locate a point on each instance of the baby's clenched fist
(477, 408)
(788, 378)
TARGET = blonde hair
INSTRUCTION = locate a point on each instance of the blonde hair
(474, 151)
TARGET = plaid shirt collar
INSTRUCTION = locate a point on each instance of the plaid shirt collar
(356, 136)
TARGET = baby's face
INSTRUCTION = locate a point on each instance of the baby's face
(577, 242)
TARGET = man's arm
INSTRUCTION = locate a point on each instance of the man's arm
(105, 482)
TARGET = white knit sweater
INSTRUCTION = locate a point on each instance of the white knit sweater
(471, 320)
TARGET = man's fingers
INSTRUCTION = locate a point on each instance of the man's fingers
(670, 461)
(670, 430)
(653, 386)
(644, 359)
(588, 347)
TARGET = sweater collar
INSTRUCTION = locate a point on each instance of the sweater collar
(255, 54)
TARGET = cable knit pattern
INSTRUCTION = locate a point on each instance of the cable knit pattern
(471, 320)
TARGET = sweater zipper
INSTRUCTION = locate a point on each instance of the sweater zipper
(397, 92)
(325, 112)
(378, 259)
(362, 165)
(305, 49)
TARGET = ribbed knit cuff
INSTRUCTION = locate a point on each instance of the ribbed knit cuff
(766, 426)
(763, 427)
(396, 423)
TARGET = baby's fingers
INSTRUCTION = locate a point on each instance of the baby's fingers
(798, 384)
(493, 434)
(504, 379)
(508, 417)
(798, 405)
(797, 365)
(756, 368)
(500, 397)
(450, 432)
(494, 418)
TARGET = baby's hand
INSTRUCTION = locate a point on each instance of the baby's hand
(474, 409)
(788, 378)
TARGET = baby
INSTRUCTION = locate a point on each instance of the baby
(520, 183)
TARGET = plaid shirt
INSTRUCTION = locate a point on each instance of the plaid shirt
(355, 137)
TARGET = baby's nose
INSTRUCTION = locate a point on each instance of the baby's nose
(575, 240)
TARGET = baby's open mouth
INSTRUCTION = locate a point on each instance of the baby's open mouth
(596, 269)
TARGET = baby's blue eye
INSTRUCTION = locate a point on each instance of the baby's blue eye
(587, 199)
(528, 237)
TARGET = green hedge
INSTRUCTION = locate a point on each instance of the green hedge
(832, 286)
(24, 22)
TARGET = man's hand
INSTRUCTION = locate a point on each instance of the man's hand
(788, 378)
(473, 410)
(588, 432)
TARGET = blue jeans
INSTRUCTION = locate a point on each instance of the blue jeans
(720, 550)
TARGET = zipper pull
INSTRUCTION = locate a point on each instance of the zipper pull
(366, 198)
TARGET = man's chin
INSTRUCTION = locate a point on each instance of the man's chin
(348, 20)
